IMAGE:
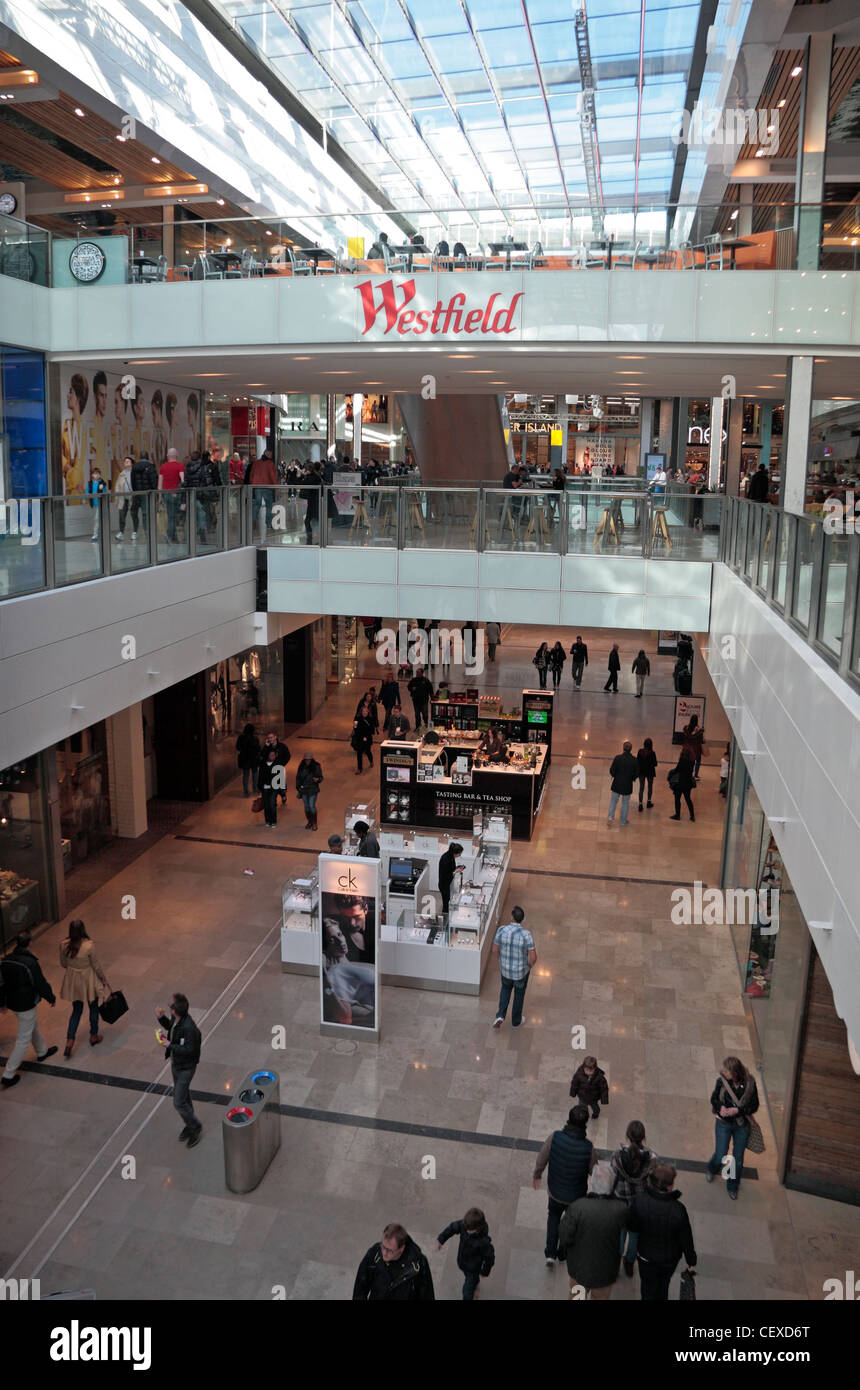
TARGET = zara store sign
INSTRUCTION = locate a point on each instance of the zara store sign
(399, 309)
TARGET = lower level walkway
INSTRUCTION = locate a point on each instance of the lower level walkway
(660, 1003)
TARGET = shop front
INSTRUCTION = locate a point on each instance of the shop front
(26, 873)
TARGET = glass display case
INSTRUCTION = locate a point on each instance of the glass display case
(300, 925)
(366, 811)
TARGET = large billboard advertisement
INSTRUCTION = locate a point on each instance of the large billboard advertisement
(106, 416)
(349, 964)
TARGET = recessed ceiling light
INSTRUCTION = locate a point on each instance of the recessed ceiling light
(629, 357)
(478, 371)
(220, 202)
(795, 72)
(734, 215)
(626, 373)
(208, 373)
(155, 159)
(302, 359)
(120, 138)
(335, 373)
(78, 111)
(146, 361)
(759, 154)
(460, 355)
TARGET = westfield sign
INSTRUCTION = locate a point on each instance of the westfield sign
(385, 308)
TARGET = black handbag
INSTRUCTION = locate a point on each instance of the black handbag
(114, 1007)
(688, 1286)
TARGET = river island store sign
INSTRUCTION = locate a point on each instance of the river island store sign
(395, 310)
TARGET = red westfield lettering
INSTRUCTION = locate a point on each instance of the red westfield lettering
(453, 317)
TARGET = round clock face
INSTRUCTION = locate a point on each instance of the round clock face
(87, 262)
(8, 203)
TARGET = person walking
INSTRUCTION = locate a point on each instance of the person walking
(395, 1269)
(570, 1158)
(248, 757)
(22, 985)
(589, 1086)
(557, 658)
(270, 781)
(198, 476)
(372, 708)
(309, 776)
(82, 977)
(623, 770)
(448, 866)
(398, 725)
(389, 696)
(682, 781)
(124, 491)
(361, 739)
(493, 633)
(579, 661)
(725, 768)
(421, 691)
(589, 1237)
(262, 477)
(759, 485)
(694, 740)
(96, 485)
(641, 668)
(171, 477)
(660, 1219)
(475, 1253)
(646, 760)
(632, 1164)
(614, 665)
(514, 948)
(144, 478)
(368, 845)
(182, 1038)
(734, 1100)
(541, 661)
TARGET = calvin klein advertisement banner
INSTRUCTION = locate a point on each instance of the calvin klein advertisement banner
(349, 966)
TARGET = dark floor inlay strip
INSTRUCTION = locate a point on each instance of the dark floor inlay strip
(337, 1117)
(249, 844)
(602, 878)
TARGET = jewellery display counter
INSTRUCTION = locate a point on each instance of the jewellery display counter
(362, 811)
(300, 946)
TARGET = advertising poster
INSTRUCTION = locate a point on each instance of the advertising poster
(103, 420)
(685, 707)
(667, 643)
(349, 964)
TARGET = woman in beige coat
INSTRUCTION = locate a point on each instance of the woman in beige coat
(80, 982)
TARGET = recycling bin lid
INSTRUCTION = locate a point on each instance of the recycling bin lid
(250, 1094)
(239, 1115)
(265, 1076)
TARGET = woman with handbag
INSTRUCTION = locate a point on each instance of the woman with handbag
(734, 1101)
(308, 779)
(248, 757)
(682, 781)
(361, 738)
(541, 661)
(83, 975)
(694, 739)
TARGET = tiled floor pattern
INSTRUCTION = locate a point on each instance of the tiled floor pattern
(660, 1003)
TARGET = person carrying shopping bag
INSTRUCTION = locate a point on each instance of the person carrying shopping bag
(83, 975)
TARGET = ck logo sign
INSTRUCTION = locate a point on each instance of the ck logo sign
(346, 882)
(389, 300)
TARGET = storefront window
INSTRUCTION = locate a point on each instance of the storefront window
(245, 689)
(24, 893)
(82, 776)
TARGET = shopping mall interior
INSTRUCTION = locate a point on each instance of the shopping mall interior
(533, 332)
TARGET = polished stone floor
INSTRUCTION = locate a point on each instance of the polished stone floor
(98, 1194)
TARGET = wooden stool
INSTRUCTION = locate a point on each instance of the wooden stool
(473, 533)
(360, 518)
(508, 516)
(416, 520)
(659, 528)
(543, 532)
(386, 516)
(605, 527)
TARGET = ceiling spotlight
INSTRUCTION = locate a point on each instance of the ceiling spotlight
(155, 159)
(78, 111)
(795, 72)
(780, 104)
(734, 215)
(220, 202)
(120, 138)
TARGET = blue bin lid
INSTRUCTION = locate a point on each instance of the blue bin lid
(264, 1076)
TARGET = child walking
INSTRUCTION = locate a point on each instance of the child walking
(475, 1256)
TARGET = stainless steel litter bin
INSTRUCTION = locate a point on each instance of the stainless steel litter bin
(252, 1130)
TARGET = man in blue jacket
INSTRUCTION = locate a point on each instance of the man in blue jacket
(570, 1157)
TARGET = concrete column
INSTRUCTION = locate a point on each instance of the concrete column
(716, 445)
(330, 426)
(127, 772)
(663, 427)
(678, 449)
(744, 221)
(795, 439)
(646, 432)
(168, 244)
(811, 148)
(765, 431)
(558, 452)
(357, 404)
(735, 431)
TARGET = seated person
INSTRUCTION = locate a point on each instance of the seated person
(494, 745)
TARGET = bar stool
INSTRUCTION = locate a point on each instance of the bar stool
(414, 515)
(360, 519)
(543, 532)
(508, 516)
(386, 516)
(605, 527)
(659, 528)
(473, 533)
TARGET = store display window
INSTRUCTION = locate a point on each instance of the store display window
(24, 891)
(245, 689)
(82, 776)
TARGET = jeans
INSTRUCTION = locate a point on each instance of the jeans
(28, 1031)
(174, 511)
(310, 800)
(491, 649)
(686, 796)
(734, 1137)
(650, 781)
(365, 752)
(471, 1279)
(136, 504)
(270, 804)
(123, 513)
(264, 496)
(625, 805)
(182, 1078)
(421, 712)
(554, 1212)
(655, 1280)
(640, 683)
(578, 668)
(612, 683)
(75, 1018)
(631, 1240)
(518, 988)
(541, 670)
(247, 780)
(556, 677)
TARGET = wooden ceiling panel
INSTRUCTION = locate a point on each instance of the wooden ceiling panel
(7, 61)
(97, 136)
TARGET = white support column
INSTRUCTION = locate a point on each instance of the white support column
(646, 433)
(357, 407)
(716, 445)
(812, 147)
(127, 772)
(795, 444)
(744, 224)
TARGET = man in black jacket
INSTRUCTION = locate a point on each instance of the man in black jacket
(22, 985)
(422, 693)
(447, 869)
(389, 696)
(282, 757)
(183, 1049)
(571, 1158)
(614, 664)
(579, 659)
(394, 1269)
(624, 769)
(144, 478)
(475, 1253)
(665, 1234)
(759, 485)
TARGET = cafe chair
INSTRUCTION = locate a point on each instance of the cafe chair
(492, 260)
(151, 274)
(393, 262)
(205, 269)
(297, 264)
(594, 254)
(249, 265)
(180, 272)
(685, 256)
(441, 258)
(233, 270)
(713, 246)
(335, 266)
(423, 258)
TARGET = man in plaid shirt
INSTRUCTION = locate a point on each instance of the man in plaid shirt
(515, 949)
